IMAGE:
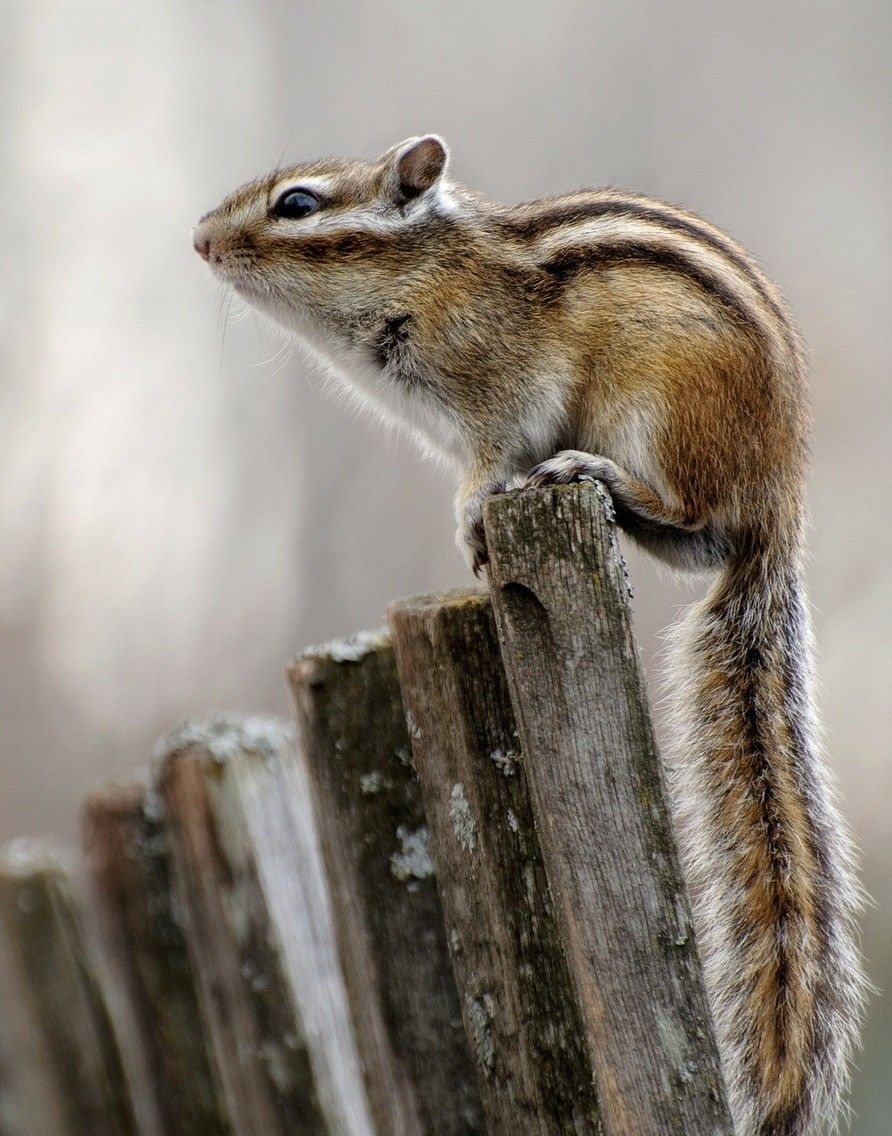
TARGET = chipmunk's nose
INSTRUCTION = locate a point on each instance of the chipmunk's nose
(201, 242)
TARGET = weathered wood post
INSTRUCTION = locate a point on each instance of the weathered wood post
(284, 979)
(127, 852)
(390, 930)
(65, 1072)
(518, 998)
(561, 601)
(248, 882)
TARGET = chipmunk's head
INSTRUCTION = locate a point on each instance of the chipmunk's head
(325, 241)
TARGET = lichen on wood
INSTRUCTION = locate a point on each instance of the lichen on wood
(390, 929)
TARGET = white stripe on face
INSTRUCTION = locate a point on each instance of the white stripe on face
(377, 216)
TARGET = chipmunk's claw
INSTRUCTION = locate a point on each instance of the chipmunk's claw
(471, 540)
(471, 536)
(563, 469)
(475, 540)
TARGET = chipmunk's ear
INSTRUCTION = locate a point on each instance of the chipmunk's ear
(416, 165)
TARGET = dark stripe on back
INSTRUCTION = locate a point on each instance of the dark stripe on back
(576, 212)
(569, 262)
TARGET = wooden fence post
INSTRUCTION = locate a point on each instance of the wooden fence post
(65, 1069)
(390, 929)
(519, 1002)
(561, 602)
(12, 1120)
(249, 884)
(128, 858)
(283, 980)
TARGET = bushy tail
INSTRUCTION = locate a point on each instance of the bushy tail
(768, 858)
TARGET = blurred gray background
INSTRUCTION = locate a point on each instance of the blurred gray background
(182, 507)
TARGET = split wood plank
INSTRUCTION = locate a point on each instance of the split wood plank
(66, 1076)
(254, 905)
(560, 596)
(390, 929)
(128, 857)
(518, 997)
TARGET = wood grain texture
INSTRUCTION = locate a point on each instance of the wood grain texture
(390, 928)
(561, 601)
(518, 998)
(127, 854)
(64, 1070)
(249, 883)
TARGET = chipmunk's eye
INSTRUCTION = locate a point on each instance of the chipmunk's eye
(295, 203)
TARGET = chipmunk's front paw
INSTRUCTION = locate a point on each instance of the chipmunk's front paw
(566, 467)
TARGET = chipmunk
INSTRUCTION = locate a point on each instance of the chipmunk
(609, 336)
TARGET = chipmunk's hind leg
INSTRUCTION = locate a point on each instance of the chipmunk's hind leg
(640, 510)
